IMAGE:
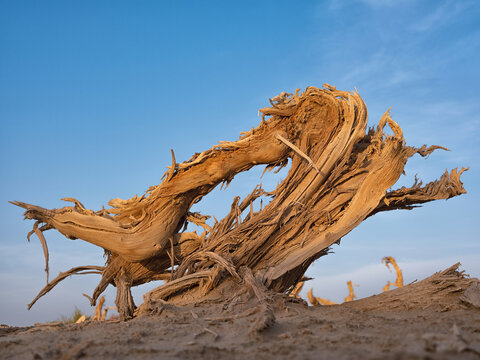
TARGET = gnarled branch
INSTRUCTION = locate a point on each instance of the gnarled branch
(340, 174)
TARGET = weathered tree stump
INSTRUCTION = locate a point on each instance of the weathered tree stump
(340, 174)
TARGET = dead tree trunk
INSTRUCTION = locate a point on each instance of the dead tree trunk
(339, 176)
(124, 300)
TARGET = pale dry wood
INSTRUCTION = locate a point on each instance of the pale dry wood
(317, 301)
(81, 319)
(39, 233)
(297, 289)
(340, 174)
(351, 294)
(399, 280)
(97, 316)
(124, 300)
(298, 152)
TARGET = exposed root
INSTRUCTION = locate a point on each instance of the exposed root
(124, 299)
(215, 335)
(266, 316)
(264, 320)
(154, 307)
(256, 286)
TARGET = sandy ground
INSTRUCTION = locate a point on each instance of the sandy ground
(437, 318)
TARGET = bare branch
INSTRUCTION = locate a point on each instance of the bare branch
(80, 270)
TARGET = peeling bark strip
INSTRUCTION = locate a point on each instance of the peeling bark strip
(339, 176)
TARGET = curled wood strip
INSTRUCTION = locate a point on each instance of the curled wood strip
(299, 153)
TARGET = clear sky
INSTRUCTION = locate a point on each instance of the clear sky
(94, 94)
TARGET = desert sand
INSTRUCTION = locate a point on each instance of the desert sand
(436, 318)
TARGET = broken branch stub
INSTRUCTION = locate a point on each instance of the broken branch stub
(339, 176)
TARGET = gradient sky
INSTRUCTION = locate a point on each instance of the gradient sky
(93, 95)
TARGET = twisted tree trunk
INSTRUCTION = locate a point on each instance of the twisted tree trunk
(339, 176)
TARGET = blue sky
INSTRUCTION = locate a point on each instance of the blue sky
(93, 95)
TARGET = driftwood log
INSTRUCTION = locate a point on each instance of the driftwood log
(340, 174)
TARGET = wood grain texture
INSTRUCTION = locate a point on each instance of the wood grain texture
(340, 174)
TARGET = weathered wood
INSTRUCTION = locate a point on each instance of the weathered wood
(387, 260)
(124, 300)
(340, 174)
